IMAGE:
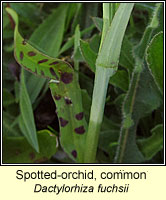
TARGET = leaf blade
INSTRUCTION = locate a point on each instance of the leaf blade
(154, 58)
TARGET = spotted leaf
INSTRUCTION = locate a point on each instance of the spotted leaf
(64, 88)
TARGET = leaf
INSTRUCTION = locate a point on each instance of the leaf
(29, 12)
(76, 16)
(98, 23)
(5, 18)
(126, 58)
(65, 92)
(88, 54)
(140, 49)
(95, 43)
(27, 115)
(34, 86)
(70, 41)
(35, 61)
(9, 125)
(88, 11)
(120, 79)
(153, 144)
(71, 118)
(106, 139)
(141, 99)
(49, 35)
(154, 58)
(18, 150)
(8, 98)
(76, 54)
(72, 9)
(119, 100)
(34, 83)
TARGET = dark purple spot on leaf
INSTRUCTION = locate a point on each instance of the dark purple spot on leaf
(24, 42)
(21, 55)
(42, 61)
(42, 73)
(53, 72)
(74, 153)
(68, 101)
(54, 63)
(63, 122)
(80, 130)
(57, 97)
(66, 77)
(79, 116)
(31, 53)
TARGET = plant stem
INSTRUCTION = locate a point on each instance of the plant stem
(98, 102)
(106, 66)
(102, 77)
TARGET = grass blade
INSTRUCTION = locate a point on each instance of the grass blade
(27, 115)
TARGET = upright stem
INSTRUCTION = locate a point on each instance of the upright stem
(102, 77)
(98, 102)
(106, 66)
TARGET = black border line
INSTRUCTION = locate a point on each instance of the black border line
(90, 164)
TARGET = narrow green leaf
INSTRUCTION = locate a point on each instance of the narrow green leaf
(98, 23)
(113, 9)
(72, 9)
(34, 86)
(5, 18)
(87, 11)
(76, 16)
(49, 35)
(152, 145)
(8, 98)
(9, 125)
(17, 150)
(77, 36)
(70, 41)
(27, 115)
(95, 42)
(88, 54)
(154, 58)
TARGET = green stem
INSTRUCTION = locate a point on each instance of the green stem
(102, 77)
(98, 102)
(106, 66)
